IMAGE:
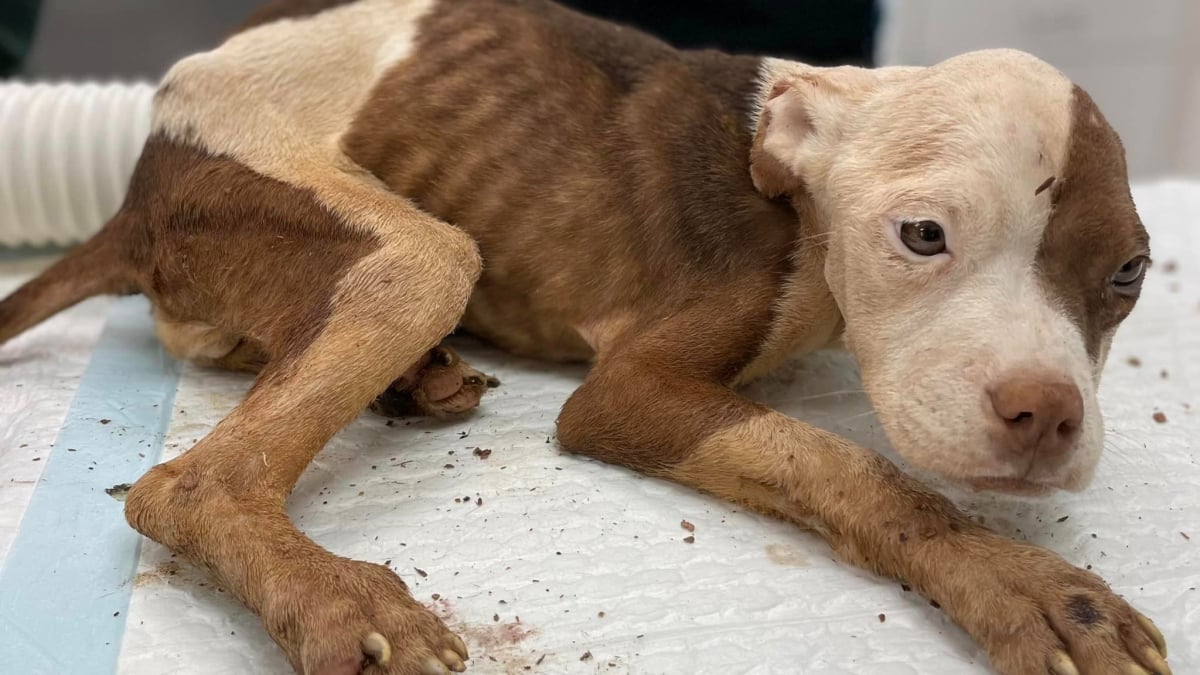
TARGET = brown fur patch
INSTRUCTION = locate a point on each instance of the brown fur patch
(1094, 228)
(602, 173)
(629, 410)
(205, 226)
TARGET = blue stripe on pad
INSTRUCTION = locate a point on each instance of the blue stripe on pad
(65, 586)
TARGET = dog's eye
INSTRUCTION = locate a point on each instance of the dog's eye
(923, 237)
(1129, 278)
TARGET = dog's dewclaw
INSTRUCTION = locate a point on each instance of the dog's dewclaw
(1061, 664)
(1156, 662)
(376, 646)
(1155, 634)
(433, 666)
(458, 646)
(451, 659)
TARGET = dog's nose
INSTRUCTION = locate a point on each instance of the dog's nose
(1039, 415)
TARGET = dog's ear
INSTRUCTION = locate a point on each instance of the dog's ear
(801, 122)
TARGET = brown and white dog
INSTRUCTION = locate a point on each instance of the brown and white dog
(343, 183)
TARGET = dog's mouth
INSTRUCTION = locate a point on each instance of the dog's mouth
(1010, 485)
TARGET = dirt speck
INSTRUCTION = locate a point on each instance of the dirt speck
(689, 539)
(687, 526)
(1160, 417)
(118, 492)
(421, 572)
(1185, 536)
(482, 453)
(1170, 267)
(157, 575)
(1062, 520)
(105, 421)
(787, 556)
(587, 656)
(1134, 361)
(882, 617)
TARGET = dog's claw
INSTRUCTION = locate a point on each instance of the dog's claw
(1061, 664)
(377, 648)
(456, 643)
(433, 666)
(1157, 662)
(447, 357)
(452, 661)
(1155, 634)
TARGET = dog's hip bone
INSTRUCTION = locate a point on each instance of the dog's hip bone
(69, 150)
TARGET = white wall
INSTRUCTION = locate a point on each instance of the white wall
(1138, 60)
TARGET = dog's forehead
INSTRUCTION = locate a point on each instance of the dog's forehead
(1012, 112)
(990, 126)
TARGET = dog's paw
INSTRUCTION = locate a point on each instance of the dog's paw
(1035, 613)
(350, 618)
(440, 385)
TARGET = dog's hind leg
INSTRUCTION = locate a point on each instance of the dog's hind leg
(441, 384)
(338, 335)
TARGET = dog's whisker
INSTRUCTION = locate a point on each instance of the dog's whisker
(830, 394)
(851, 418)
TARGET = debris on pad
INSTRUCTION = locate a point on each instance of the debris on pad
(687, 526)
(118, 492)
(587, 656)
(689, 539)
(882, 617)
(1160, 418)
(1134, 361)
(482, 453)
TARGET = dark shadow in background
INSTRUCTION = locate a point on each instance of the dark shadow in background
(820, 32)
(124, 39)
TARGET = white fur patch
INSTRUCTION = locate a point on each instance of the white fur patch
(279, 96)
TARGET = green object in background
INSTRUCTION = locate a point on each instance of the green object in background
(17, 20)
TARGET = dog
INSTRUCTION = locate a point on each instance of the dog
(343, 183)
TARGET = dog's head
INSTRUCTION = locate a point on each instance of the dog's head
(982, 246)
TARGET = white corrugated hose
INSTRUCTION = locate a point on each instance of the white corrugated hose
(66, 154)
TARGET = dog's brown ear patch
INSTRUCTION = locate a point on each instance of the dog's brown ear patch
(771, 176)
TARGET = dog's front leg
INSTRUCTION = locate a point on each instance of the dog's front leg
(1031, 610)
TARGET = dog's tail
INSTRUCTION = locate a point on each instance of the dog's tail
(99, 266)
